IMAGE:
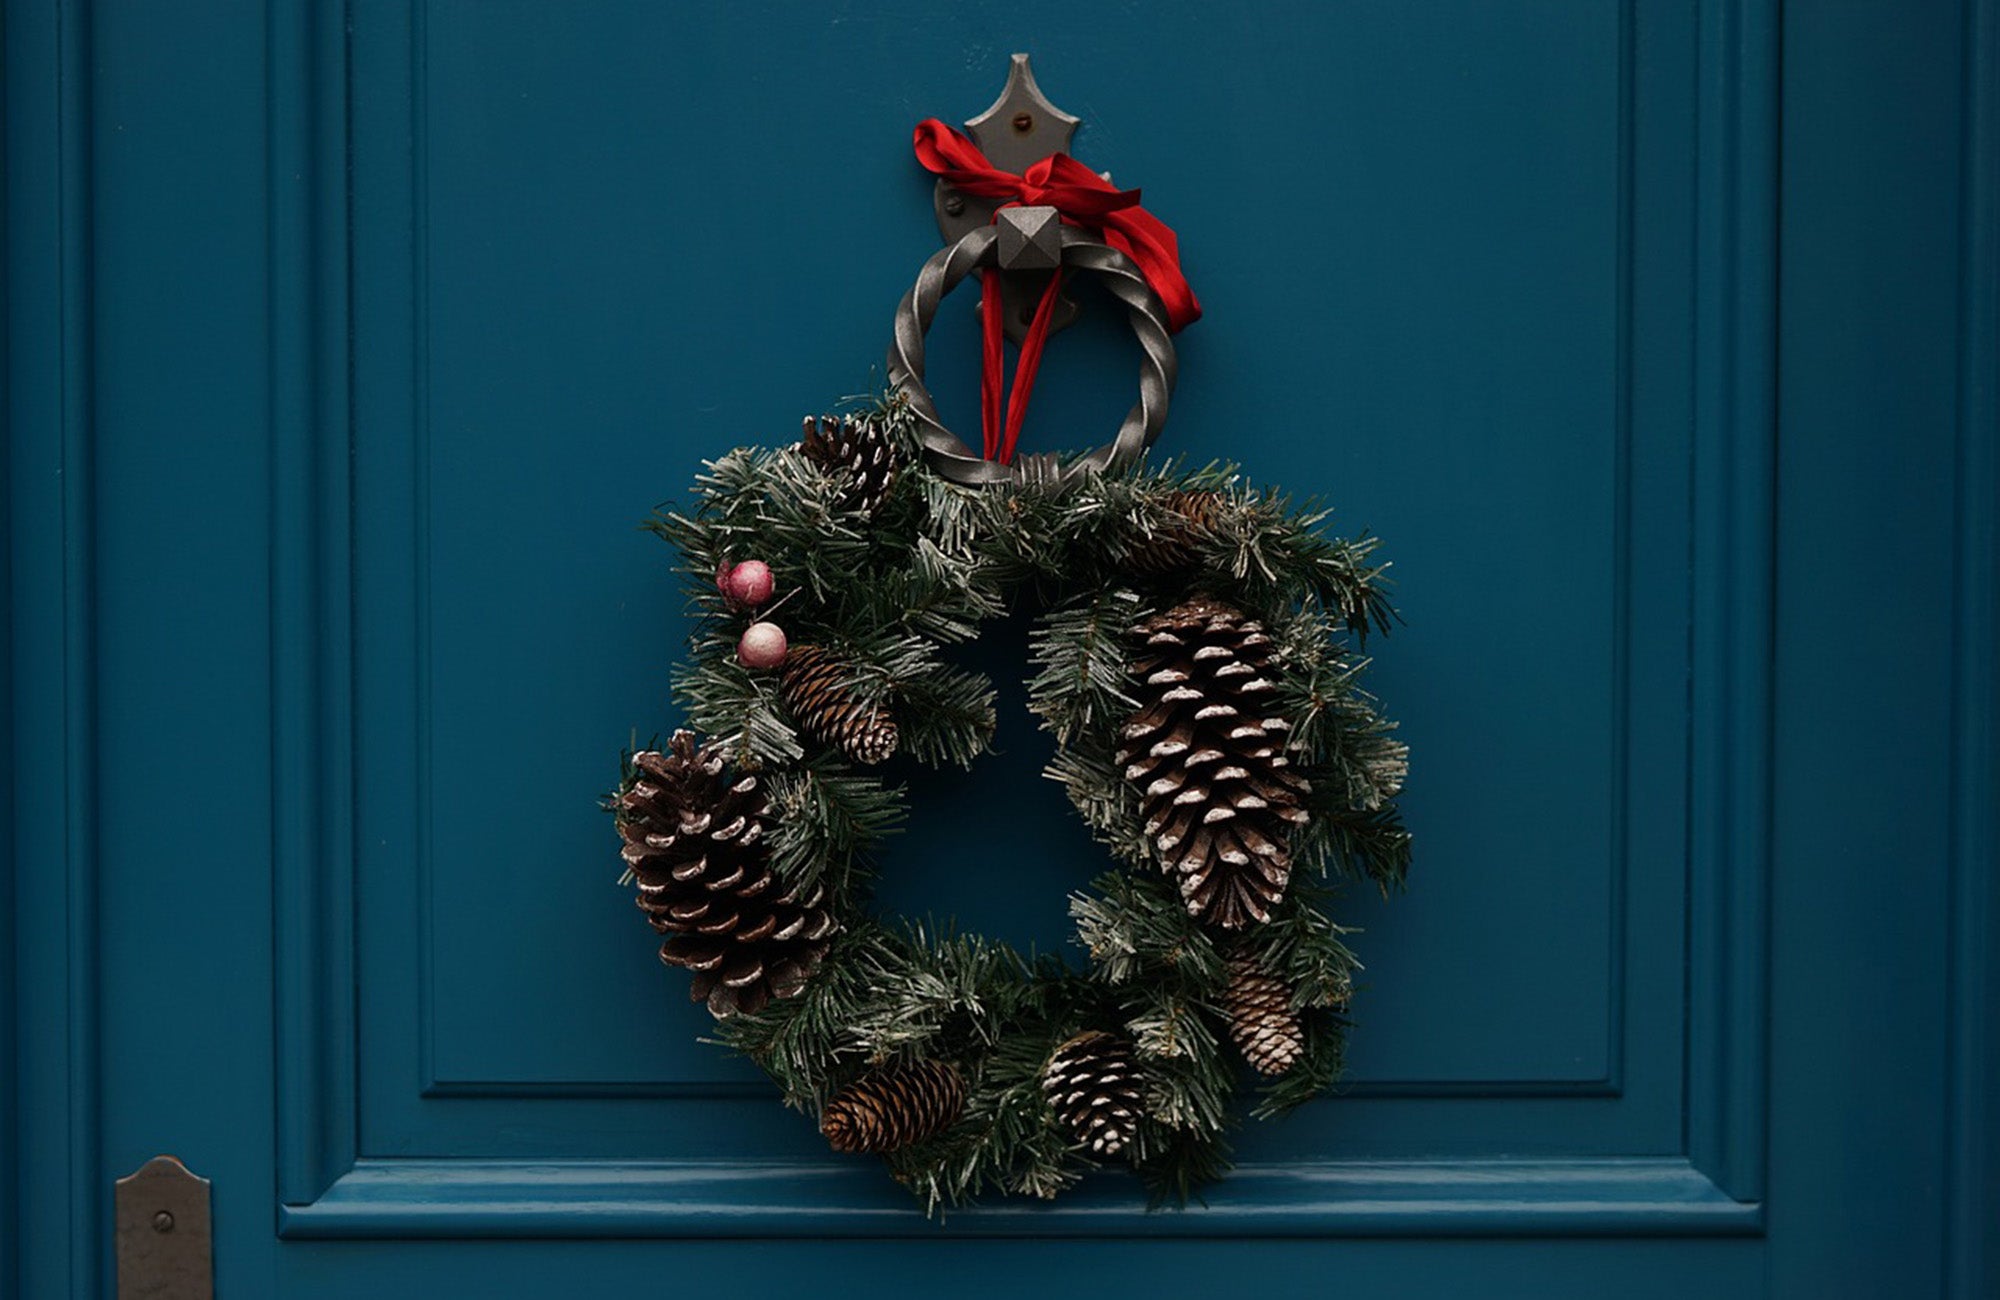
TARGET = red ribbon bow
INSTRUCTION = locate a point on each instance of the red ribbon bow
(1083, 198)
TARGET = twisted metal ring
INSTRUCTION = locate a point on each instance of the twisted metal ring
(1157, 370)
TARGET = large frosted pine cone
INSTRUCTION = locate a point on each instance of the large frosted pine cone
(1207, 751)
(695, 841)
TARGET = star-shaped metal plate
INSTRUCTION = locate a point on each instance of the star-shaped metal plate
(1018, 131)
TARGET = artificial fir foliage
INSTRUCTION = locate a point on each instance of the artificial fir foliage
(874, 591)
(890, 1108)
(1207, 752)
(1093, 1084)
(1262, 1024)
(695, 843)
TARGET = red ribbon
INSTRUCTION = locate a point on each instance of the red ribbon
(1084, 199)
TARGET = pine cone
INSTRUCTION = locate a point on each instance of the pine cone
(860, 451)
(894, 1106)
(1206, 750)
(695, 841)
(1262, 1023)
(1092, 1083)
(1171, 549)
(816, 692)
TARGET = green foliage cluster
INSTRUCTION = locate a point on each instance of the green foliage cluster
(891, 593)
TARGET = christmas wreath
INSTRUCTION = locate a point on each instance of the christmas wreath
(1196, 656)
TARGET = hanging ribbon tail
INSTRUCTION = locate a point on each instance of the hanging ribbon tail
(993, 364)
(1029, 365)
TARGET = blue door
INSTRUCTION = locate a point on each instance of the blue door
(347, 344)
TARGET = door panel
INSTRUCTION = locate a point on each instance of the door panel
(575, 276)
(535, 459)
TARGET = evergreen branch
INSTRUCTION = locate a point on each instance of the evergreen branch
(1078, 648)
(946, 715)
(826, 816)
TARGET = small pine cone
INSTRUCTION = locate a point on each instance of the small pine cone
(1207, 750)
(1262, 1023)
(816, 691)
(695, 841)
(1092, 1083)
(1171, 549)
(862, 452)
(894, 1106)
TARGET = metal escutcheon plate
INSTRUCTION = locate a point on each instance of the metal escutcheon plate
(1020, 129)
(164, 1249)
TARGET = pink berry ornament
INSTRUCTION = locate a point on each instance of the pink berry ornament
(763, 646)
(750, 583)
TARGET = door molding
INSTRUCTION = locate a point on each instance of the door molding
(328, 1186)
(52, 1209)
(1972, 1142)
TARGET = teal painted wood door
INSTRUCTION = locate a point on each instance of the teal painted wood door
(347, 345)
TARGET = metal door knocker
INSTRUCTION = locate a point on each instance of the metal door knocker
(1030, 237)
(1023, 213)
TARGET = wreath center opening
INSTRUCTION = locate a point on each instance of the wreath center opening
(995, 849)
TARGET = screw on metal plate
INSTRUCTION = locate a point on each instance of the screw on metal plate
(1020, 129)
(164, 1251)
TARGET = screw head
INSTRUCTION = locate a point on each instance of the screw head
(1024, 122)
(954, 204)
(163, 1222)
